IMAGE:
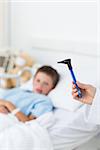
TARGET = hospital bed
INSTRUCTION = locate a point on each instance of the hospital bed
(86, 67)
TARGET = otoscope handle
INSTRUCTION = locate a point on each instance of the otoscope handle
(74, 80)
(78, 90)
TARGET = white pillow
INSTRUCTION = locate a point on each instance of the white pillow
(61, 96)
(27, 85)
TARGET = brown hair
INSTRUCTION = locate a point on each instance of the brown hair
(50, 72)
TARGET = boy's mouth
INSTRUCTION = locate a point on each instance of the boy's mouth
(39, 90)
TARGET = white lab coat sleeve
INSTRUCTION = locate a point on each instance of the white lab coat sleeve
(92, 113)
(74, 128)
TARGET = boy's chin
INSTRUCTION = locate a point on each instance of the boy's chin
(37, 91)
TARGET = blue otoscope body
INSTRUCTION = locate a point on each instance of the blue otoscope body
(74, 80)
(68, 62)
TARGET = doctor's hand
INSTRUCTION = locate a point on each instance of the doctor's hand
(88, 92)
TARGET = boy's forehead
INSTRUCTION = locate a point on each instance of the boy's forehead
(40, 73)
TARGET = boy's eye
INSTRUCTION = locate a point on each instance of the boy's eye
(46, 84)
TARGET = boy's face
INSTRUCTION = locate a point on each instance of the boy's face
(42, 83)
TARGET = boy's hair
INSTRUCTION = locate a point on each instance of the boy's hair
(50, 72)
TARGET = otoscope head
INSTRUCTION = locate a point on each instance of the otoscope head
(66, 61)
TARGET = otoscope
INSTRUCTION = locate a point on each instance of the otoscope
(68, 62)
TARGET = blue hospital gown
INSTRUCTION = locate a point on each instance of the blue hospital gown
(29, 102)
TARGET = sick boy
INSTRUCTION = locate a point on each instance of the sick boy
(27, 105)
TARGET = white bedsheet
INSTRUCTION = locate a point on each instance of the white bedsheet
(71, 129)
(32, 135)
(67, 129)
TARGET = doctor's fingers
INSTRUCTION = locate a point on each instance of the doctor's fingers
(75, 94)
(73, 86)
(74, 90)
(76, 97)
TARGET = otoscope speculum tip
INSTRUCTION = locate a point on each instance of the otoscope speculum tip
(66, 61)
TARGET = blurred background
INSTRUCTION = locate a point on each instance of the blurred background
(54, 24)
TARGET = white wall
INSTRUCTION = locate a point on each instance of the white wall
(4, 24)
(1, 24)
(59, 24)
